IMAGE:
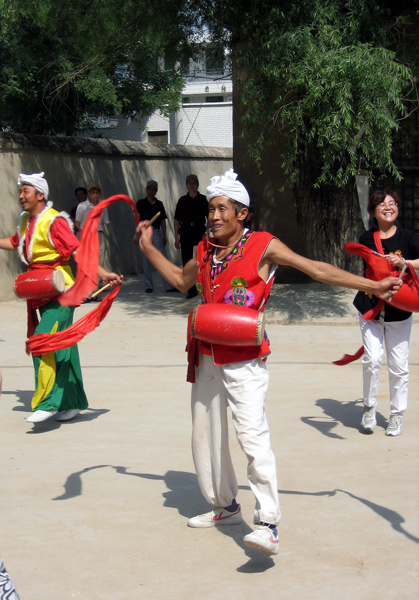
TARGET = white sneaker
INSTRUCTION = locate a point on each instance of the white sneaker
(369, 420)
(395, 425)
(216, 517)
(40, 415)
(264, 539)
(67, 415)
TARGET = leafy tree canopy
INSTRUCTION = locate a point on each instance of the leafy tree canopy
(337, 77)
(61, 61)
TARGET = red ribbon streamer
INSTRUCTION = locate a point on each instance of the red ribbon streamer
(87, 259)
(407, 298)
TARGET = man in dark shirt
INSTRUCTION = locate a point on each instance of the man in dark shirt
(190, 222)
(147, 208)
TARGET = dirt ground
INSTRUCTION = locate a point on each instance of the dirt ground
(96, 509)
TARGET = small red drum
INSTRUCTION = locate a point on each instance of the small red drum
(228, 324)
(39, 284)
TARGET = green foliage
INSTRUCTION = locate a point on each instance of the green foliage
(324, 73)
(62, 61)
(335, 77)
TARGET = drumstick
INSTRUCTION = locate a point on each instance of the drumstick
(156, 216)
(100, 290)
(402, 271)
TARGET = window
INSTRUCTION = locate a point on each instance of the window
(214, 61)
(158, 137)
(214, 99)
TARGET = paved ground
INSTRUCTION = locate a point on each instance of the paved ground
(96, 509)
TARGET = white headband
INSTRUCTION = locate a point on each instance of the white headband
(227, 185)
(37, 181)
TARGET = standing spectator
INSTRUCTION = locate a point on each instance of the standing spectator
(93, 191)
(190, 222)
(81, 196)
(147, 208)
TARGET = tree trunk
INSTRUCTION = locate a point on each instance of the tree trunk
(330, 217)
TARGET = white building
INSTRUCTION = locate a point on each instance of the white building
(205, 118)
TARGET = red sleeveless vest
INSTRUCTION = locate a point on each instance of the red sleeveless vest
(235, 280)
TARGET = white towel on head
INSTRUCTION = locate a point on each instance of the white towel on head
(227, 185)
(37, 181)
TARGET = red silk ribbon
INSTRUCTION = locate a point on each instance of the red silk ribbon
(407, 298)
(87, 258)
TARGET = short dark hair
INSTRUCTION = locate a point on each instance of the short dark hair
(238, 206)
(80, 189)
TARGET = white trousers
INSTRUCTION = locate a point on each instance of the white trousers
(148, 277)
(395, 335)
(243, 387)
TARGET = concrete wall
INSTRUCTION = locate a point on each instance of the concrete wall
(119, 167)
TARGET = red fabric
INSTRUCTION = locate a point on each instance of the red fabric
(50, 342)
(15, 240)
(192, 348)
(348, 358)
(87, 257)
(32, 305)
(63, 238)
(407, 298)
(242, 262)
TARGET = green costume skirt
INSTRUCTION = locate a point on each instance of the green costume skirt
(58, 378)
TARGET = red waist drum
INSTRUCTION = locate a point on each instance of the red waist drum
(228, 324)
(39, 284)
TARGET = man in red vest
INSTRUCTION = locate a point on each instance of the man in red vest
(237, 266)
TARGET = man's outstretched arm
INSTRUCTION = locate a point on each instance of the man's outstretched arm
(280, 254)
(182, 279)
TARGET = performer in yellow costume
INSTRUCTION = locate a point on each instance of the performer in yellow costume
(44, 239)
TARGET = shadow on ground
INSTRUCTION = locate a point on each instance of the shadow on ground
(183, 494)
(349, 414)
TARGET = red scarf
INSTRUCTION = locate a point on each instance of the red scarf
(87, 259)
(407, 298)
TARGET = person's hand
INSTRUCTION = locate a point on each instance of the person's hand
(395, 260)
(388, 287)
(177, 243)
(145, 234)
(112, 278)
(164, 239)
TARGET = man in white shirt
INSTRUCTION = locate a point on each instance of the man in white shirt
(93, 191)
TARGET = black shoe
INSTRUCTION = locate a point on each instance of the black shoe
(86, 301)
(172, 290)
(191, 294)
(148, 291)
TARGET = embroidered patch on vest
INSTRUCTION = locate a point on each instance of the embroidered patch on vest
(239, 294)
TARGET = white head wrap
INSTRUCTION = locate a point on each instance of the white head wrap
(37, 181)
(227, 185)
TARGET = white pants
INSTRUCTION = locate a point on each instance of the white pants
(396, 337)
(148, 277)
(243, 387)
